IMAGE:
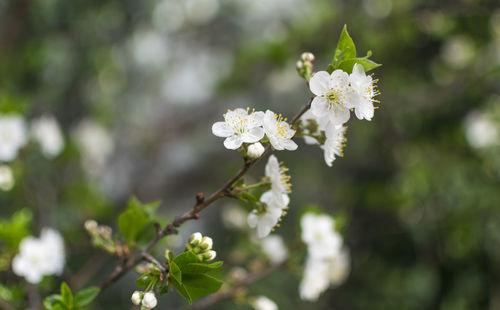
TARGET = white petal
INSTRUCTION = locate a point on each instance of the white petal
(221, 129)
(358, 70)
(289, 145)
(252, 220)
(319, 106)
(276, 143)
(364, 110)
(233, 142)
(319, 83)
(340, 116)
(253, 135)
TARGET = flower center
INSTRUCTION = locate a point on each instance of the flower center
(334, 99)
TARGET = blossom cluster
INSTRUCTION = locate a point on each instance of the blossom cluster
(40, 257)
(147, 300)
(275, 201)
(327, 260)
(201, 246)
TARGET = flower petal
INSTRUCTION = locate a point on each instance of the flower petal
(364, 110)
(253, 135)
(221, 129)
(319, 83)
(233, 142)
(275, 143)
(339, 116)
(289, 145)
(319, 106)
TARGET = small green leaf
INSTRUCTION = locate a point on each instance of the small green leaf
(131, 223)
(86, 296)
(144, 280)
(186, 258)
(175, 272)
(183, 291)
(67, 296)
(51, 301)
(367, 64)
(330, 68)
(200, 268)
(163, 290)
(199, 285)
(345, 48)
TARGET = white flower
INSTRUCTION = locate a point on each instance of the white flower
(40, 257)
(47, 133)
(263, 303)
(480, 130)
(362, 84)
(322, 122)
(319, 235)
(334, 142)
(255, 150)
(315, 280)
(267, 219)
(149, 300)
(279, 132)
(12, 136)
(239, 127)
(6, 178)
(136, 298)
(334, 97)
(280, 182)
(274, 248)
(340, 266)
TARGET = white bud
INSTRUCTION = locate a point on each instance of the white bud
(136, 298)
(299, 64)
(255, 150)
(206, 243)
(149, 300)
(307, 57)
(90, 225)
(210, 255)
(195, 239)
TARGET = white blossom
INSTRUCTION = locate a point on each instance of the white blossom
(334, 97)
(315, 280)
(265, 220)
(480, 130)
(278, 131)
(319, 235)
(334, 142)
(46, 131)
(239, 127)
(40, 257)
(340, 265)
(363, 86)
(263, 303)
(136, 298)
(274, 248)
(280, 181)
(12, 136)
(255, 150)
(149, 300)
(6, 178)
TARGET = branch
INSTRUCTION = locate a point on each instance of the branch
(6, 306)
(193, 214)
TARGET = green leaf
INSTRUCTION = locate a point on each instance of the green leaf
(67, 296)
(148, 208)
(175, 272)
(199, 285)
(51, 301)
(131, 223)
(144, 280)
(86, 296)
(163, 290)
(12, 231)
(345, 48)
(193, 268)
(330, 68)
(186, 258)
(183, 291)
(367, 64)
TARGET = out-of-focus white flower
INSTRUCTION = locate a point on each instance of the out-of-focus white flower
(480, 130)
(96, 145)
(40, 257)
(12, 136)
(265, 220)
(363, 86)
(274, 248)
(255, 150)
(6, 178)
(239, 127)
(334, 96)
(46, 131)
(149, 300)
(334, 142)
(136, 298)
(458, 51)
(234, 217)
(315, 280)
(280, 181)
(201, 11)
(319, 235)
(263, 303)
(149, 48)
(340, 265)
(279, 132)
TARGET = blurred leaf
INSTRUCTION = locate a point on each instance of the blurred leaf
(12, 231)
(131, 223)
(175, 272)
(144, 280)
(66, 295)
(183, 291)
(86, 296)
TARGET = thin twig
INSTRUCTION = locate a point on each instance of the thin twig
(153, 260)
(193, 214)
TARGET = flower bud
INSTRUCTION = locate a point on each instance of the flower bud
(149, 300)
(299, 64)
(309, 57)
(206, 243)
(90, 226)
(195, 239)
(210, 255)
(255, 150)
(137, 298)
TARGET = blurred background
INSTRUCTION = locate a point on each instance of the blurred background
(137, 85)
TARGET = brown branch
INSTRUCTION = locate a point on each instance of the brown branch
(5, 306)
(193, 214)
(153, 260)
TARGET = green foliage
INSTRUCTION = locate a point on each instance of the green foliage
(67, 301)
(345, 55)
(136, 223)
(12, 231)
